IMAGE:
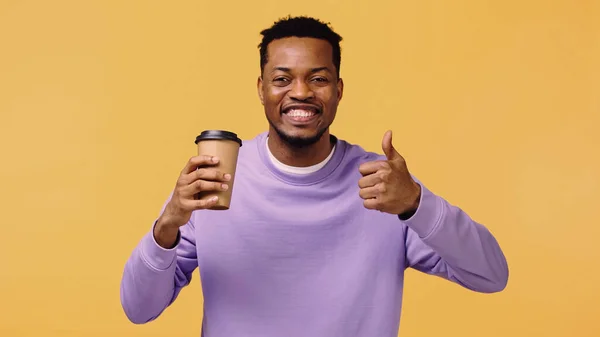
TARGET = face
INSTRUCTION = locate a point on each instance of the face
(300, 90)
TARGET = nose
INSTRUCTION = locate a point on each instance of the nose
(301, 91)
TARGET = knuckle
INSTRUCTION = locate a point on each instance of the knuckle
(181, 184)
(376, 204)
(180, 205)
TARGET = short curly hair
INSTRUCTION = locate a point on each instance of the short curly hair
(300, 26)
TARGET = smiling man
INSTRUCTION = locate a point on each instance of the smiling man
(319, 233)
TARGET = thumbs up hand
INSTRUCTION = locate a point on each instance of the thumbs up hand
(386, 185)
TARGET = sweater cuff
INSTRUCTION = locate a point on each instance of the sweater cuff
(154, 255)
(428, 215)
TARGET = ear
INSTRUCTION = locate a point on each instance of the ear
(259, 87)
(340, 87)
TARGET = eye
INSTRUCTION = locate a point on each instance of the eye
(320, 79)
(280, 81)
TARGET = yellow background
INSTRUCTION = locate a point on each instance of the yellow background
(494, 104)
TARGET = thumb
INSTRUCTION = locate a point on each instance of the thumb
(388, 148)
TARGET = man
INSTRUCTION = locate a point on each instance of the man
(319, 232)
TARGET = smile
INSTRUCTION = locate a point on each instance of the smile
(297, 113)
(300, 115)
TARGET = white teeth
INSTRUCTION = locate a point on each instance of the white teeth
(300, 113)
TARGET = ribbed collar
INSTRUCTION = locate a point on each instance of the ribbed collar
(302, 179)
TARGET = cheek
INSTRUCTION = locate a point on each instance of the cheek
(330, 99)
(274, 97)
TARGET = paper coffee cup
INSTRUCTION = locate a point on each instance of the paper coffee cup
(225, 145)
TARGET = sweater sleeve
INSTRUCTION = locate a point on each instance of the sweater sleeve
(154, 276)
(442, 240)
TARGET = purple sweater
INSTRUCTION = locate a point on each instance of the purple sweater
(299, 255)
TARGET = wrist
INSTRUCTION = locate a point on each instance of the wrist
(414, 205)
(417, 197)
(172, 217)
(166, 235)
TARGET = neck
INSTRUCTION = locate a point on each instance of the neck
(299, 157)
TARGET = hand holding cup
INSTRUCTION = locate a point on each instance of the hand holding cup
(206, 182)
(200, 175)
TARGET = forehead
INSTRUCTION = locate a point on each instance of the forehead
(295, 52)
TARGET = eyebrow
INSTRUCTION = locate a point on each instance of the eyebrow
(313, 70)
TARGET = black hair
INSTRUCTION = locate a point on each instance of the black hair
(301, 26)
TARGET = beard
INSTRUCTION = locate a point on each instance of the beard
(298, 142)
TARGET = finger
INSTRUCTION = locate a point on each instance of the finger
(372, 204)
(373, 166)
(388, 147)
(203, 186)
(202, 203)
(369, 180)
(203, 160)
(209, 174)
(369, 192)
